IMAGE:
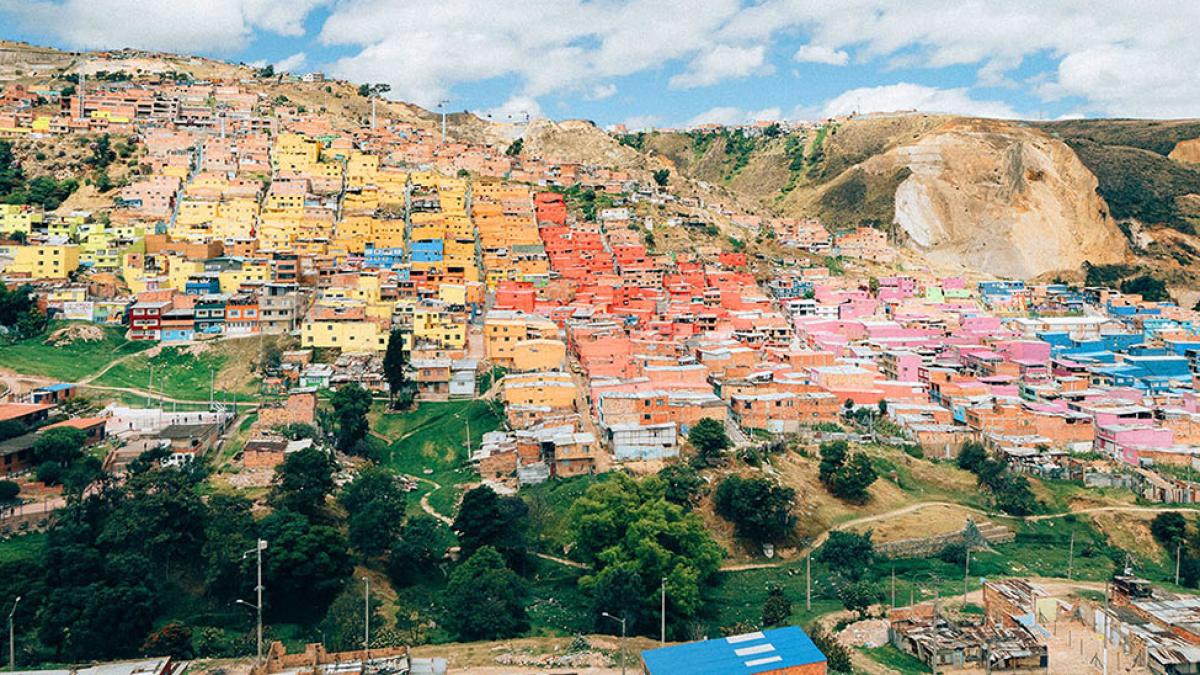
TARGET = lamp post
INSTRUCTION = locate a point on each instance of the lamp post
(366, 622)
(12, 645)
(259, 547)
(622, 622)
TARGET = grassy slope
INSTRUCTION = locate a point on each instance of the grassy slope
(69, 362)
(183, 375)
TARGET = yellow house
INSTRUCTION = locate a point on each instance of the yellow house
(554, 390)
(342, 327)
(293, 152)
(232, 280)
(19, 218)
(437, 327)
(538, 355)
(503, 330)
(179, 269)
(44, 261)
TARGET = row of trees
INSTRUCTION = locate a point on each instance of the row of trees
(1010, 492)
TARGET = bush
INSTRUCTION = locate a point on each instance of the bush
(954, 553)
(759, 509)
(848, 553)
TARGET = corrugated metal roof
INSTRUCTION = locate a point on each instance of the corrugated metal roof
(757, 652)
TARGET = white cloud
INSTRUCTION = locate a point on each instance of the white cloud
(222, 26)
(819, 54)
(907, 96)
(642, 122)
(602, 91)
(291, 63)
(722, 62)
(732, 116)
(515, 109)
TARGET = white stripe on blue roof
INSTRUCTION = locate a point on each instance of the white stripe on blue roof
(756, 649)
(759, 662)
(745, 637)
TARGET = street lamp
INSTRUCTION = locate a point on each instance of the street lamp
(259, 547)
(622, 621)
(12, 645)
(366, 622)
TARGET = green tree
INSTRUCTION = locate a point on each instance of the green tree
(846, 476)
(61, 445)
(303, 481)
(514, 150)
(10, 492)
(972, 456)
(160, 518)
(487, 519)
(351, 403)
(307, 564)
(1170, 529)
(228, 533)
(759, 509)
(484, 600)
(858, 596)
(661, 176)
(683, 484)
(395, 366)
(777, 609)
(376, 506)
(619, 590)
(1013, 495)
(848, 553)
(417, 551)
(709, 439)
(628, 522)
(1151, 289)
(343, 625)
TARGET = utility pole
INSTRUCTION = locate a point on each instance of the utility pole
(966, 575)
(662, 640)
(442, 106)
(366, 622)
(259, 547)
(372, 112)
(808, 582)
(1071, 557)
(893, 587)
(212, 387)
(150, 386)
(12, 643)
(1178, 557)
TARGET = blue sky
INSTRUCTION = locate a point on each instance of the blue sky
(678, 62)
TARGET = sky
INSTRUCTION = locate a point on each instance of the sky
(670, 63)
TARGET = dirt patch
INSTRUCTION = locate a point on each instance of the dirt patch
(1130, 532)
(866, 633)
(927, 521)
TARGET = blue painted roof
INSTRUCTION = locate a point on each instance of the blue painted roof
(759, 652)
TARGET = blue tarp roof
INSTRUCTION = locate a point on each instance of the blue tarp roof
(759, 652)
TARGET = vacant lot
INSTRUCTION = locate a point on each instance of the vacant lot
(68, 362)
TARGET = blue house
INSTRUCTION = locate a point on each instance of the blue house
(383, 258)
(770, 652)
(427, 251)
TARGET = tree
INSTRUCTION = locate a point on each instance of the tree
(628, 522)
(19, 313)
(1170, 529)
(173, 639)
(954, 553)
(417, 550)
(484, 600)
(858, 596)
(514, 150)
(972, 456)
(848, 553)
(845, 476)
(266, 72)
(61, 445)
(160, 518)
(272, 357)
(661, 176)
(307, 564)
(777, 609)
(486, 519)
(1013, 495)
(759, 509)
(1150, 288)
(837, 656)
(376, 505)
(619, 590)
(343, 625)
(228, 534)
(395, 365)
(709, 439)
(683, 484)
(10, 492)
(303, 481)
(351, 403)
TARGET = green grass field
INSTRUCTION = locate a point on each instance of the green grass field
(178, 374)
(893, 658)
(431, 442)
(71, 362)
(23, 547)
